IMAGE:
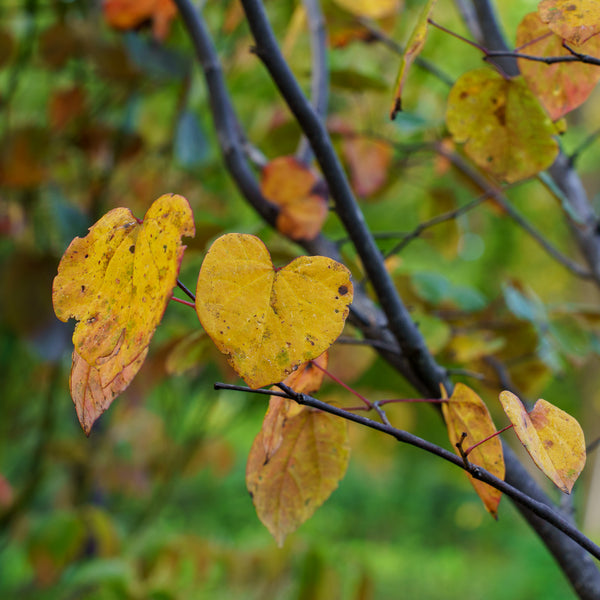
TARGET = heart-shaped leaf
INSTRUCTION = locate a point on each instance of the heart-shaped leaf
(269, 321)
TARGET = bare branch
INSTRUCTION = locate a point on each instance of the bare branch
(538, 508)
(319, 86)
(400, 323)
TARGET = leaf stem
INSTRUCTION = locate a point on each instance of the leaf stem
(489, 437)
(175, 299)
(331, 376)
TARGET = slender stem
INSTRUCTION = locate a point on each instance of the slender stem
(495, 193)
(420, 62)
(489, 437)
(340, 382)
(186, 291)
(457, 36)
(175, 299)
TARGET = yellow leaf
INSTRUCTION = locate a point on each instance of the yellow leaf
(574, 20)
(413, 48)
(370, 9)
(503, 126)
(553, 438)
(269, 321)
(466, 412)
(290, 477)
(117, 282)
(295, 190)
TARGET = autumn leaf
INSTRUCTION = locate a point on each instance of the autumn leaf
(411, 51)
(93, 392)
(553, 438)
(269, 321)
(299, 195)
(295, 462)
(465, 412)
(501, 123)
(116, 282)
(129, 14)
(370, 9)
(306, 379)
(576, 21)
(369, 160)
(560, 87)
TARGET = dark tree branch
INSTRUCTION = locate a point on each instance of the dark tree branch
(549, 60)
(426, 373)
(319, 86)
(363, 313)
(410, 340)
(581, 571)
(539, 509)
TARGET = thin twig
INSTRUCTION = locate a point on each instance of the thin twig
(540, 509)
(186, 291)
(495, 193)
(399, 320)
(419, 61)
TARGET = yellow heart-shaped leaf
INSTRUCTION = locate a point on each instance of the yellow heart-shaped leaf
(268, 321)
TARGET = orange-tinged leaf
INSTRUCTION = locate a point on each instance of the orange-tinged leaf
(290, 482)
(411, 51)
(561, 87)
(466, 412)
(574, 20)
(128, 14)
(93, 391)
(269, 321)
(369, 161)
(503, 126)
(295, 190)
(307, 378)
(66, 106)
(117, 282)
(553, 438)
(370, 9)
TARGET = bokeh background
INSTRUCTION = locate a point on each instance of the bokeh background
(153, 504)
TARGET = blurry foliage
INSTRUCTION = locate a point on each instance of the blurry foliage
(154, 504)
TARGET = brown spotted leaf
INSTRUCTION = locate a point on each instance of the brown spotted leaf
(269, 321)
(576, 21)
(553, 438)
(502, 124)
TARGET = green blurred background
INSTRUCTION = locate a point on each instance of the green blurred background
(153, 504)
